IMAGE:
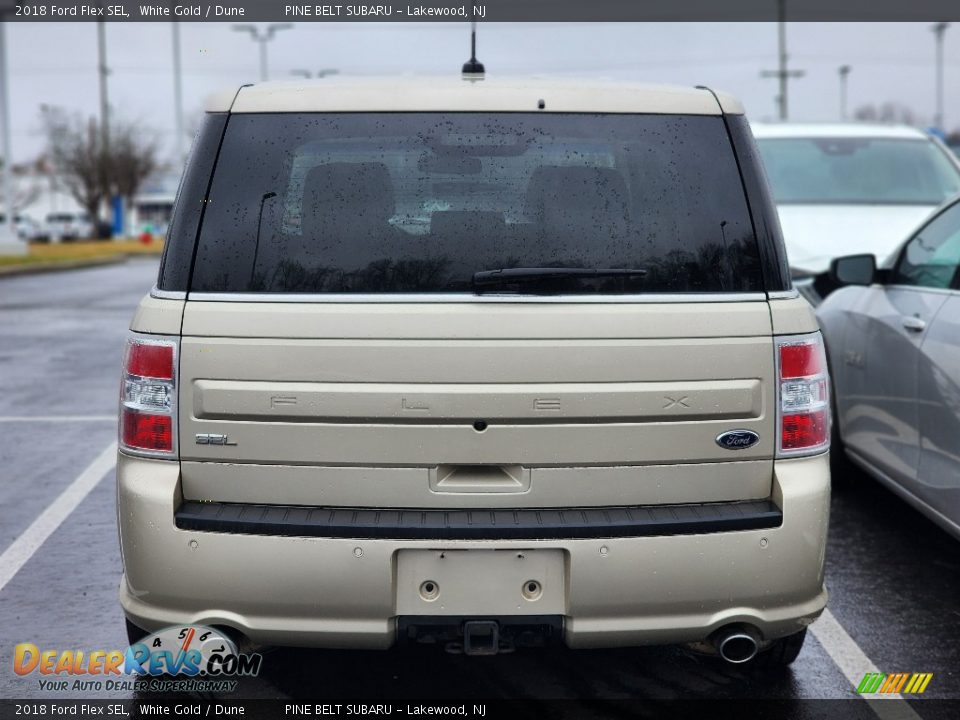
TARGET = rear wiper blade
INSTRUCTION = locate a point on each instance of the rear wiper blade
(509, 275)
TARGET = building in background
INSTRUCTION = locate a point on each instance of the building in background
(153, 205)
(42, 195)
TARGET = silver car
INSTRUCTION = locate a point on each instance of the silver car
(893, 341)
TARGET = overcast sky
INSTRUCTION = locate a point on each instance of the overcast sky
(56, 64)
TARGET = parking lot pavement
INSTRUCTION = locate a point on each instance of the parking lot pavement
(894, 578)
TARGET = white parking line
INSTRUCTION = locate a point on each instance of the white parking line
(854, 664)
(23, 548)
(57, 418)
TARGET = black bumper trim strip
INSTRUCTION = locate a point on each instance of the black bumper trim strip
(477, 524)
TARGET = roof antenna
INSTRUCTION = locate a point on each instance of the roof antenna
(473, 68)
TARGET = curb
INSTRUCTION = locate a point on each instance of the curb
(47, 267)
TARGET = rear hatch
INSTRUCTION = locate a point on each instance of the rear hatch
(412, 405)
(337, 349)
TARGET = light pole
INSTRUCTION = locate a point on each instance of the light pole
(177, 94)
(938, 30)
(843, 71)
(9, 244)
(103, 71)
(263, 39)
(782, 73)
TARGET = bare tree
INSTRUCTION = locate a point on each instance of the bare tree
(132, 160)
(887, 112)
(91, 172)
(23, 194)
(77, 152)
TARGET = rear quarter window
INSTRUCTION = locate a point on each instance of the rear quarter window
(420, 202)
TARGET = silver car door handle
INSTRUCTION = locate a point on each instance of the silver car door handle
(914, 324)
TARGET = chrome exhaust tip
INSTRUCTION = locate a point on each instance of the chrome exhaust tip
(737, 645)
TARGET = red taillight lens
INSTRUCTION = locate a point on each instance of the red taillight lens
(150, 360)
(147, 432)
(803, 395)
(804, 431)
(800, 360)
(148, 395)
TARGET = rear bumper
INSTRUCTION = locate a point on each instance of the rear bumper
(343, 592)
(438, 524)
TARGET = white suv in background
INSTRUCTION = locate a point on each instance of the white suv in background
(68, 226)
(848, 188)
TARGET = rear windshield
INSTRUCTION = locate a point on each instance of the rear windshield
(852, 170)
(422, 202)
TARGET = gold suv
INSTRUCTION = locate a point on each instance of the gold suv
(493, 363)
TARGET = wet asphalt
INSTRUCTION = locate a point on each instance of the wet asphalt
(894, 577)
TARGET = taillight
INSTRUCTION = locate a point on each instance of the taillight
(803, 396)
(148, 396)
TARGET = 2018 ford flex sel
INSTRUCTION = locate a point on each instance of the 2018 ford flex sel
(477, 361)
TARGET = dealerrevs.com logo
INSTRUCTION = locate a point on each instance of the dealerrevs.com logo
(894, 683)
(184, 658)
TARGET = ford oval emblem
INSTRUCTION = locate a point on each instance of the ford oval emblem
(737, 439)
